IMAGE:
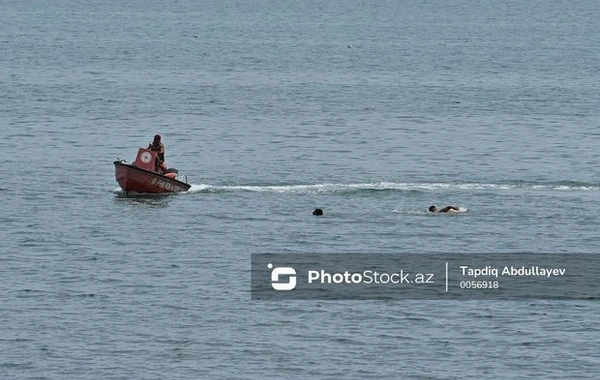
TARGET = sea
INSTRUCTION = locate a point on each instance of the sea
(370, 110)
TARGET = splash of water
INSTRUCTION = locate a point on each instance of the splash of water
(330, 188)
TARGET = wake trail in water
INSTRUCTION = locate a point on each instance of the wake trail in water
(332, 188)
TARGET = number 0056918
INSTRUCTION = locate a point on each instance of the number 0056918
(479, 285)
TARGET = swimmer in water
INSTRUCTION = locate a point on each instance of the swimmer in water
(445, 209)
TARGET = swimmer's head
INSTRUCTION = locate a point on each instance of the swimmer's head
(432, 208)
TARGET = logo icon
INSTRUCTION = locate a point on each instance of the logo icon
(146, 157)
(278, 272)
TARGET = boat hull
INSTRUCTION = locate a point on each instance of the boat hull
(133, 179)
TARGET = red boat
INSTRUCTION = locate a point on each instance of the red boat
(141, 176)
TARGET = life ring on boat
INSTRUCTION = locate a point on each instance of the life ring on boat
(146, 157)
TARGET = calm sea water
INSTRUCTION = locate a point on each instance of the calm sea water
(372, 111)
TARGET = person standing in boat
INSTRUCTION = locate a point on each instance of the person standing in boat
(158, 147)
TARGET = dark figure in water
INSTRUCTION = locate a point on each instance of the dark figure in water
(317, 212)
(445, 209)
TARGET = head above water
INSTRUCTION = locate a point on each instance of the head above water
(317, 212)
(432, 208)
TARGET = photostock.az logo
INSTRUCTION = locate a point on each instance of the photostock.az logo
(282, 272)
